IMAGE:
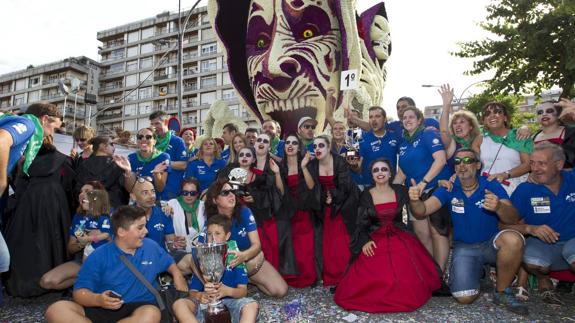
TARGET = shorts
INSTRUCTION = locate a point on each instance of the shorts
(98, 314)
(556, 256)
(440, 219)
(467, 264)
(234, 305)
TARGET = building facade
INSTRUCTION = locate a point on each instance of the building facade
(42, 83)
(139, 65)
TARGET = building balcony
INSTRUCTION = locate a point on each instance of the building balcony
(112, 58)
(50, 81)
(113, 86)
(110, 116)
(113, 44)
(164, 76)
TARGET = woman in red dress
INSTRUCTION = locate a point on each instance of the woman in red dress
(393, 271)
(336, 197)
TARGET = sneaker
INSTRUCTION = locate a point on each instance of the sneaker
(508, 300)
(550, 297)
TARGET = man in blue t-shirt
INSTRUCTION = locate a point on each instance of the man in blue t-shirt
(547, 209)
(277, 146)
(168, 142)
(476, 206)
(106, 290)
(229, 131)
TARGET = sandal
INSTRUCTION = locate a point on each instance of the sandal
(522, 294)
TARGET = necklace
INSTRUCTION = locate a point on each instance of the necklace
(470, 188)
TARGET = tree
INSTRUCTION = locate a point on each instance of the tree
(534, 47)
(476, 103)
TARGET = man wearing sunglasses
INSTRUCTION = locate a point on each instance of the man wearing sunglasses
(477, 206)
(168, 142)
(306, 132)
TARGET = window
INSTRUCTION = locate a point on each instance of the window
(145, 93)
(132, 65)
(207, 34)
(131, 80)
(207, 98)
(209, 49)
(20, 99)
(132, 96)
(146, 62)
(228, 94)
(34, 81)
(203, 114)
(117, 53)
(33, 96)
(130, 125)
(148, 32)
(146, 77)
(235, 108)
(130, 110)
(21, 84)
(116, 68)
(147, 48)
(144, 122)
(145, 108)
(133, 36)
(132, 51)
(208, 81)
(226, 78)
(209, 65)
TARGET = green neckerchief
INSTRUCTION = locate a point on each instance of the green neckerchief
(155, 154)
(274, 145)
(163, 143)
(192, 151)
(34, 143)
(192, 210)
(409, 138)
(462, 142)
(233, 246)
(511, 141)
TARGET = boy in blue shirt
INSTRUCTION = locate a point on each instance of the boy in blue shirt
(232, 289)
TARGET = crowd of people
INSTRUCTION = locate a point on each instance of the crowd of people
(371, 211)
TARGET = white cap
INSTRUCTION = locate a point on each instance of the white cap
(304, 119)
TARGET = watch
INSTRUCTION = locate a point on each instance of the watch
(508, 174)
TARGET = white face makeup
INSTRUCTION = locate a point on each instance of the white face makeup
(291, 146)
(321, 148)
(246, 157)
(262, 144)
(380, 172)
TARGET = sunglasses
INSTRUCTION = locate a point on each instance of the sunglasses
(189, 193)
(488, 112)
(320, 145)
(465, 160)
(293, 142)
(225, 193)
(148, 137)
(248, 155)
(308, 126)
(265, 141)
(142, 179)
(380, 169)
(547, 111)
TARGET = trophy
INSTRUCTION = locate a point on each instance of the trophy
(238, 180)
(210, 262)
(353, 137)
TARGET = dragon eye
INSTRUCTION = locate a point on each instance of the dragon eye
(307, 33)
(261, 43)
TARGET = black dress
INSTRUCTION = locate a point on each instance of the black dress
(37, 230)
(104, 170)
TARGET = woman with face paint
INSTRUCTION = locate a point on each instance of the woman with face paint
(392, 271)
(335, 209)
(552, 130)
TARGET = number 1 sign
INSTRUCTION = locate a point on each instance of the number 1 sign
(349, 80)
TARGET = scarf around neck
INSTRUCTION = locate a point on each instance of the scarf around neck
(163, 143)
(411, 138)
(142, 159)
(192, 210)
(511, 141)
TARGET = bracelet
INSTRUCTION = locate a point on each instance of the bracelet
(95, 239)
(508, 174)
(425, 181)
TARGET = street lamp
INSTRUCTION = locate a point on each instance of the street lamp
(458, 102)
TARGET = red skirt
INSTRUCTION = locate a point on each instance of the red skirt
(268, 233)
(302, 240)
(335, 251)
(398, 278)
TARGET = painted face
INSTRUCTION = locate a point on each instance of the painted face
(226, 199)
(144, 194)
(380, 37)
(188, 137)
(146, 141)
(461, 127)
(338, 131)
(246, 158)
(251, 137)
(190, 193)
(381, 172)
(546, 114)
(134, 236)
(291, 146)
(293, 56)
(321, 148)
(494, 117)
(410, 121)
(83, 196)
(466, 166)
(160, 126)
(262, 144)
(376, 119)
(238, 143)
(543, 168)
(216, 234)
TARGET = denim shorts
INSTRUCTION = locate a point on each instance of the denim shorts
(234, 305)
(556, 256)
(467, 265)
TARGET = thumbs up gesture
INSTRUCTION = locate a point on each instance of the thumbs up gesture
(491, 201)
(414, 191)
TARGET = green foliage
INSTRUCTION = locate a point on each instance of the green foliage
(533, 48)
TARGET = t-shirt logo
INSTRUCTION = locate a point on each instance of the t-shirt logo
(435, 142)
(570, 197)
(147, 262)
(479, 204)
(105, 224)
(242, 233)
(392, 143)
(415, 143)
(20, 128)
(159, 226)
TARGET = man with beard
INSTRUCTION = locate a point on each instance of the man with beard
(306, 132)
(272, 128)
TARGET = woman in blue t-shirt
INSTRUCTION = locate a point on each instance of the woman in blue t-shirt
(221, 199)
(422, 162)
(205, 169)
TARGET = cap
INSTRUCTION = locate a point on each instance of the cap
(304, 119)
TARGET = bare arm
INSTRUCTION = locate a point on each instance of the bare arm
(306, 174)
(179, 280)
(507, 213)
(446, 93)
(476, 144)
(179, 165)
(277, 175)
(238, 292)
(439, 161)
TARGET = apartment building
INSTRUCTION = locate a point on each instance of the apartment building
(139, 66)
(42, 83)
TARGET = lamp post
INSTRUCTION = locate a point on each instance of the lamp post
(458, 102)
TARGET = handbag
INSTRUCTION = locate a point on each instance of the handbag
(164, 297)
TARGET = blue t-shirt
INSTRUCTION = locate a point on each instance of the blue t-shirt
(225, 155)
(372, 147)
(203, 173)
(397, 127)
(21, 130)
(83, 224)
(279, 149)
(104, 270)
(241, 229)
(145, 169)
(416, 158)
(159, 225)
(471, 222)
(232, 277)
(537, 205)
(178, 152)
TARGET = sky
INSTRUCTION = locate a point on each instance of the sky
(423, 35)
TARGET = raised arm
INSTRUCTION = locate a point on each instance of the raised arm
(446, 93)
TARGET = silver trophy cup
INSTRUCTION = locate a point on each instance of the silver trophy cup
(210, 262)
(238, 180)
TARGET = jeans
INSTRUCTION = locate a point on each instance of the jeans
(4, 255)
(556, 256)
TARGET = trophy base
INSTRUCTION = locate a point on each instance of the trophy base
(221, 315)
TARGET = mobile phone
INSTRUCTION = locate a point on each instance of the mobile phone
(114, 294)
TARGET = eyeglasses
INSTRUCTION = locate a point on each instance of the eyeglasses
(488, 112)
(248, 155)
(293, 142)
(320, 145)
(308, 126)
(142, 179)
(260, 140)
(465, 160)
(379, 169)
(547, 111)
(148, 137)
(189, 193)
(225, 193)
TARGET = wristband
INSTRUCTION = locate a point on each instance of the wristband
(508, 174)
(425, 181)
